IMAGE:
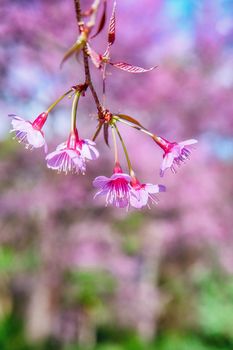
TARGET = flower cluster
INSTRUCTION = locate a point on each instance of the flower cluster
(122, 190)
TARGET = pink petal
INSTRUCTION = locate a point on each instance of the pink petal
(65, 160)
(61, 146)
(36, 138)
(188, 142)
(162, 188)
(16, 117)
(167, 162)
(138, 198)
(100, 181)
(89, 142)
(120, 202)
(102, 192)
(154, 188)
(89, 151)
(121, 176)
(21, 125)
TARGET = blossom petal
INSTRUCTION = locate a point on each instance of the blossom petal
(21, 125)
(66, 160)
(88, 150)
(61, 146)
(167, 162)
(154, 188)
(100, 181)
(36, 138)
(188, 142)
(138, 198)
(121, 175)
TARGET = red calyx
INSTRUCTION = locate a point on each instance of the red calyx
(73, 139)
(135, 183)
(164, 144)
(117, 168)
(40, 120)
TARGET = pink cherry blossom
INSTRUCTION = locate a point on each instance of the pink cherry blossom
(174, 153)
(116, 188)
(142, 194)
(29, 133)
(67, 157)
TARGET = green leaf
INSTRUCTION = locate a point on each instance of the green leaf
(129, 119)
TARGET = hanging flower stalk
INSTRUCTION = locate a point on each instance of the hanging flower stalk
(122, 189)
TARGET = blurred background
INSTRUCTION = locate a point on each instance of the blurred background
(77, 275)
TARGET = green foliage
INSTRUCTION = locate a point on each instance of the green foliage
(11, 263)
(208, 297)
(215, 306)
(7, 260)
(172, 341)
(11, 334)
(8, 149)
(87, 287)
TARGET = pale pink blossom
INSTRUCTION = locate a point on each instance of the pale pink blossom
(174, 153)
(70, 156)
(29, 133)
(116, 189)
(142, 194)
(67, 157)
(86, 148)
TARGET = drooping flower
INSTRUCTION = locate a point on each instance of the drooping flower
(175, 153)
(67, 157)
(142, 194)
(29, 133)
(116, 188)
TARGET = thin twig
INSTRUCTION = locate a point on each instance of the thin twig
(88, 80)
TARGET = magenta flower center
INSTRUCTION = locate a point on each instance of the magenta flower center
(120, 186)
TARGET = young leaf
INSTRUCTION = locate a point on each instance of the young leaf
(130, 68)
(106, 126)
(102, 20)
(76, 48)
(112, 26)
(129, 119)
(98, 129)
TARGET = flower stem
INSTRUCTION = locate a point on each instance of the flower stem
(74, 111)
(115, 145)
(131, 172)
(137, 127)
(58, 100)
(104, 84)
